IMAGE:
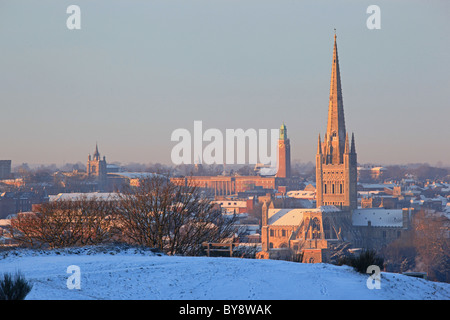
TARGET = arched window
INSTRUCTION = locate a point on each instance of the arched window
(315, 229)
(306, 228)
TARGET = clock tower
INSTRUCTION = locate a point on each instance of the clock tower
(284, 154)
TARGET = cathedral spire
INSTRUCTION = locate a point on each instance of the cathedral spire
(336, 132)
(338, 154)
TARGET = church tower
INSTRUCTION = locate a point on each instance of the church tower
(336, 164)
(284, 154)
(97, 167)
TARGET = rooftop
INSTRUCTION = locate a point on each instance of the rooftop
(293, 217)
(378, 217)
(87, 196)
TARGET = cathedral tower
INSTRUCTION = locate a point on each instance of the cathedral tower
(284, 154)
(336, 164)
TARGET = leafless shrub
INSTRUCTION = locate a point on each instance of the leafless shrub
(65, 223)
(156, 214)
(175, 219)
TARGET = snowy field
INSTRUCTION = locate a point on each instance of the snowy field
(131, 274)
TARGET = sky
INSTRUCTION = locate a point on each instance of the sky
(138, 70)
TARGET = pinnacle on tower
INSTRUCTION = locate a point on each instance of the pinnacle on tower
(347, 147)
(319, 146)
(353, 148)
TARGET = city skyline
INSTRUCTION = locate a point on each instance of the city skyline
(131, 76)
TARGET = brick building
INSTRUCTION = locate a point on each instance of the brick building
(282, 181)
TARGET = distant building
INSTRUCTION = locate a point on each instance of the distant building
(15, 202)
(371, 172)
(279, 181)
(96, 167)
(119, 180)
(378, 227)
(5, 169)
(72, 196)
(113, 168)
(235, 206)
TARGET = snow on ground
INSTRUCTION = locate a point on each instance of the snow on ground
(132, 274)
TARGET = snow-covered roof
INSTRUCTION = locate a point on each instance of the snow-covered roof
(232, 203)
(135, 175)
(377, 185)
(293, 217)
(302, 194)
(328, 209)
(268, 171)
(5, 222)
(88, 196)
(285, 217)
(378, 217)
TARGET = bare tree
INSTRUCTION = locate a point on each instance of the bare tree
(157, 214)
(66, 223)
(432, 242)
(175, 219)
(400, 254)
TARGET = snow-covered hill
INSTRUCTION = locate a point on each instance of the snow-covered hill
(137, 274)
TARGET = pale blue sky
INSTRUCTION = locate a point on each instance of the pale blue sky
(137, 70)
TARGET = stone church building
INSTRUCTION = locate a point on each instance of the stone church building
(96, 168)
(313, 234)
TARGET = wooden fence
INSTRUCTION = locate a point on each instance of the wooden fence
(218, 247)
